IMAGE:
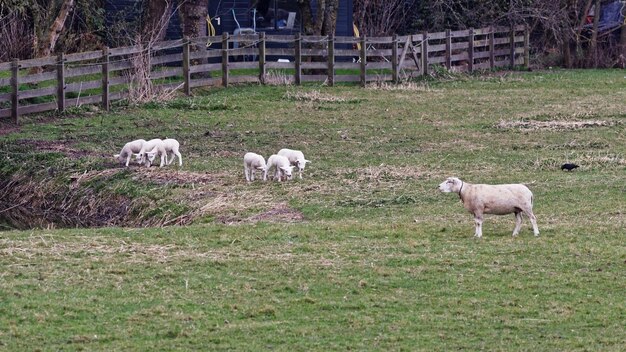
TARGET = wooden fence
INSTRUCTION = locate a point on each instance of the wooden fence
(100, 77)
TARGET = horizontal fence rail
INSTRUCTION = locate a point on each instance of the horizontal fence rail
(100, 77)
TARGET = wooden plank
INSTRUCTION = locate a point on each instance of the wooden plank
(502, 52)
(314, 38)
(482, 31)
(437, 36)
(379, 40)
(203, 41)
(243, 51)
(346, 52)
(243, 64)
(527, 46)
(482, 66)
(500, 41)
(205, 82)
(5, 82)
(481, 54)
(502, 63)
(347, 78)
(347, 65)
(39, 92)
(379, 65)
(280, 65)
(436, 48)
(492, 48)
(167, 44)
(244, 79)
(407, 44)
(5, 113)
(279, 38)
(126, 50)
(61, 82)
(460, 46)
(520, 27)
(186, 69)
(40, 77)
(82, 86)
(120, 65)
(463, 33)
(203, 54)
(5, 66)
(170, 86)
(5, 97)
(314, 65)
(116, 80)
(35, 108)
(459, 57)
(244, 38)
(331, 61)
(83, 70)
(262, 58)
(279, 52)
(84, 100)
(437, 60)
(45, 61)
(313, 78)
(298, 59)
(346, 40)
(205, 68)
(378, 53)
(87, 55)
(481, 43)
(106, 80)
(172, 72)
(164, 59)
(519, 38)
(313, 52)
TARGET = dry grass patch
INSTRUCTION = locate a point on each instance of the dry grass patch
(555, 125)
(403, 87)
(278, 78)
(313, 96)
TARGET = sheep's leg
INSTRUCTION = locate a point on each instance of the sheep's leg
(163, 159)
(478, 220)
(264, 175)
(300, 175)
(518, 223)
(180, 158)
(252, 172)
(533, 220)
(169, 162)
(128, 159)
(246, 172)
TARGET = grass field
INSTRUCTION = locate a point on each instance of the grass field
(363, 253)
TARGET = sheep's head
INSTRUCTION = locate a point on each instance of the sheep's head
(139, 158)
(301, 163)
(119, 158)
(451, 184)
(288, 171)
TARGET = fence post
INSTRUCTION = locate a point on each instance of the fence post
(186, 63)
(492, 48)
(470, 50)
(394, 60)
(331, 60)
(15, 87)
(106, 102)
(363, 61)
(512, 42)
(225, 60)
(424, 53)
(262, 57)
(448, 49)
(298, 58)
(61, 83)
(527, 46)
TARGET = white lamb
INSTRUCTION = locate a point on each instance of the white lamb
(149, 151)
(295, 158)
(482, 199)
(253, 162)
(282, 167)
(171, 147)
(129, 150)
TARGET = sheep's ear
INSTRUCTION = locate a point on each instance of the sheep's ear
(307, 161)
(116, 156)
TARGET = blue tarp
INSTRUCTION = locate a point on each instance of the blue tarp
(611, 16)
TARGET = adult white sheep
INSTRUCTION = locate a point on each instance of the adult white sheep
(253, 162)
(128, 150)
(149, 150)
(296, 158)
(171, 147)
(481, 199)
(281, 165)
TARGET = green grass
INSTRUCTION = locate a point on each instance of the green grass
(363, 253)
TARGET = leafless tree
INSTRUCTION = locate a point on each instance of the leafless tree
(381, 17)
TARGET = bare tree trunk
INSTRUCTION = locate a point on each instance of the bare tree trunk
(307, 17)
(622, 43)
(193, 14)
(329, 25)
(325, 21)
(46, 46)
(157, 14)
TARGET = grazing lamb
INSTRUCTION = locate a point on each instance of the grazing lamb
(149, 150)
(252, 162)
(171, 148)
(128, 150)
(282, 166)
(296, 158)
(493, 199)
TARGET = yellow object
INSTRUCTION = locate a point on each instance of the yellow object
(209, 26)
(356, 34)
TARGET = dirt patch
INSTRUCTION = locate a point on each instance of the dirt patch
(62, 147)
(168, 176)
(8, 128)
(280, 213)
(556, 125)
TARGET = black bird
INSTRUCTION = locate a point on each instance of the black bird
(569, 167)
